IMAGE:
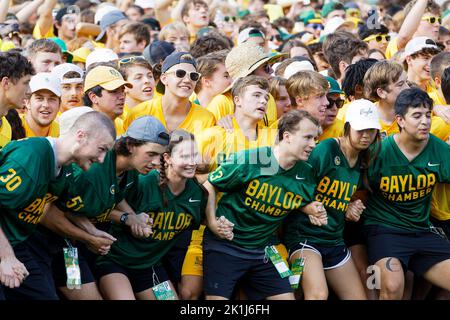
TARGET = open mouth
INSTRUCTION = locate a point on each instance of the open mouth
(148, 90)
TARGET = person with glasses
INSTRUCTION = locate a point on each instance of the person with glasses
(375, 38)
(179, 77)
(422, 19)
(339, 164)
(225, 18)
(331, 126)
(137, 71)
(133, 38)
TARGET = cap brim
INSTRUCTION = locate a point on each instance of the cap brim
(101, 35)
(53, 90)
(336, 91)
(113, 85)
(244, 73)
(364, 125)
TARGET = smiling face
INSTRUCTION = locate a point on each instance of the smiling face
(184, 159)
(42, 107)
(180, 87)
(302, 141)
(316, 105)
(91, 148)
(419, 67)
(146, 157)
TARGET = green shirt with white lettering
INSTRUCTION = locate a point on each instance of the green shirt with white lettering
(26, 169)
(401, 188)
(94, 193)
(258, 194)
(171, 216)
(337, 182)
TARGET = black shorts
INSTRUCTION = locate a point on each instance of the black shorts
(354, 234)
(174, 259)
(140, 279)
(48, 248)
(332, 256)
(443, 224)
(222, 272)
(38, 285)
(417, 251)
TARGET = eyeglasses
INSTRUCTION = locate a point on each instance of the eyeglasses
(276, 37)
(315, 26)
(267, 68)
(180, 73)
(378, 37)
(338, 102)
(130, 60)
(433, 20)
(229, 19)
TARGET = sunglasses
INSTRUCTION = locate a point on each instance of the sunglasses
(276, 37)
(433, 20)
(378, 37)
(338, 102)
(315, 26)
(130, 60)
(229, 19)
(180, 73)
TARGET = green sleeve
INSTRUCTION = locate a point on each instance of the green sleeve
(17, 188)
(232, 173)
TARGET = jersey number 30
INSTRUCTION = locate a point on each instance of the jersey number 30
(12, 181)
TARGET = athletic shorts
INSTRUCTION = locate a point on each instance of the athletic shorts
(443, 224)
(173, 260)
(353, 233)
(38, 285)
(140, 279)
(332, 256)
(258, 276)
(417, 251)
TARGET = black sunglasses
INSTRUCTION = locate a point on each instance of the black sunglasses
(276, 37)
(338, 102)
(229, 18)
(180, 73)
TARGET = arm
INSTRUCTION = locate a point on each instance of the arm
(411, 23)
(124, 5)
(140, 224)
(176, 11)
(4, 5)
(162, 11)
(24, 14)
(221, 227)
(45, 20)
(85, 29)
(12, 271)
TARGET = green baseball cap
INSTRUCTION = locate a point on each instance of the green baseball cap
(63, 47)
(327, 8)
(334, 86)
(306, 15)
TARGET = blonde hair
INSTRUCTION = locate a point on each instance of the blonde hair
(381, 75)
(304, 84)
(178, 27)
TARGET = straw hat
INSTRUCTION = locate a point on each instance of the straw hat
(242, 60)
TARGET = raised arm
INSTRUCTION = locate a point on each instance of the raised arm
(411, 23)
(25, 13)
(45, 20)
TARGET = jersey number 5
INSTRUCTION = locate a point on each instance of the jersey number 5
(12, 181)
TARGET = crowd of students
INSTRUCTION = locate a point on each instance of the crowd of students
(247, 149)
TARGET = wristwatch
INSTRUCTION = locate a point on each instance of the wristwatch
(124, 218)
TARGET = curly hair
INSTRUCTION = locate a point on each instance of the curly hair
(14, 66)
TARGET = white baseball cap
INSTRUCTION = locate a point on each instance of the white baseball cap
(103, 9)
(101, 55)
(45, 81)
(145, 4)
(297, 66)
(419, 43)
(68, 118)
(333, 24)
(248, 33)
(61, 70)
(363, 114)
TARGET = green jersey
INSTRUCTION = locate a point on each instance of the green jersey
(26, 170)
(258, 194)
(401, 188)
(337, 182)
(182, 212)
(94, 193)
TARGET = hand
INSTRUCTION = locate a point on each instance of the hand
(222, 227)
(354, 210)
(12, 272)
(442, 112)
(315, 208)
(226, 123)
(319, 221)
(100, 243)
(140, 225)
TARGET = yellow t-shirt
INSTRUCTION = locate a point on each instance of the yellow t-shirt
(126, 110)
(436, 96)
(222, 105)
(343, 111)
(197, 120)
(392, 48)
(333, 131)
(118, 123)
(215, 144)
(53, 131)
(5, 132)
(37, 33)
